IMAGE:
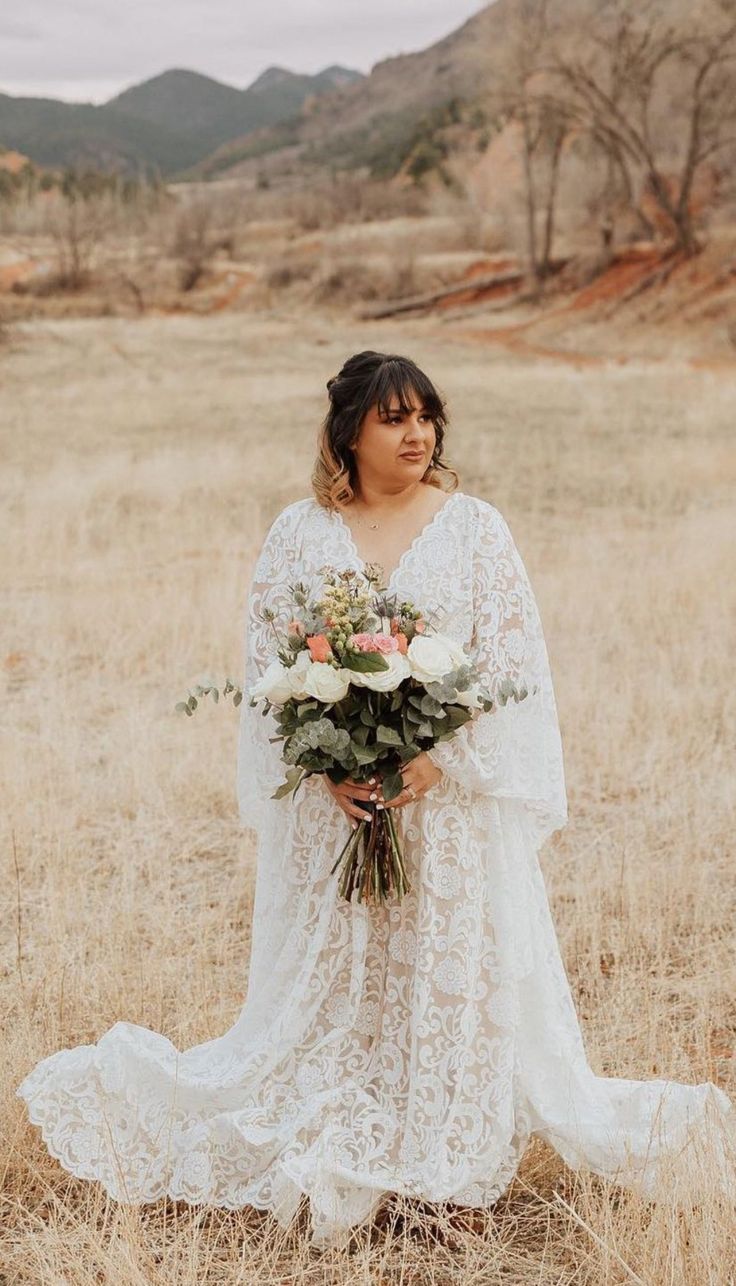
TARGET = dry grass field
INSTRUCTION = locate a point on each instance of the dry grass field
(143, 461)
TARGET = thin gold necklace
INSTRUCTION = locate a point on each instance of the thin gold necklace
(372, 525)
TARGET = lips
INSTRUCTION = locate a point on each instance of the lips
(412, 455)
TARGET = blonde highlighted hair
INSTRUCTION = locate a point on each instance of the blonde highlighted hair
(366, 379)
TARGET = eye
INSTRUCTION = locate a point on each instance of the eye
(398, 417)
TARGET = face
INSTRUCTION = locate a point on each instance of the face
(395, 446)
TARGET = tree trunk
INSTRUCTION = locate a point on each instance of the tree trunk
(549, 220)
(531, 199)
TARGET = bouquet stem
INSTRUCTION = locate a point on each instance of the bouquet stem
(373, 862)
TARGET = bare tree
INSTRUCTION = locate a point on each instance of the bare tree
(205, 223)
(78, 223)
(193, 243)
(610, 84)
(543, 128)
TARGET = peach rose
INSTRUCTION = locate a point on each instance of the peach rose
(319, 647)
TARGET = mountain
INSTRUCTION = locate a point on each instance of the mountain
(377, 117)
(166, 123)
(413, 110)
(330, 78)
(55, 134)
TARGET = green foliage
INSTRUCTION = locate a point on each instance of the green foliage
(392, 139)
(427, 155)
(74, 183)
(208, 689)
(365, 662)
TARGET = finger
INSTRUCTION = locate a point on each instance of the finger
(354, 811)
(364, 788)
(397, 801)
(358, 792)
(344, 790)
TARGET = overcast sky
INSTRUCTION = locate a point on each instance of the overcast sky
(88, 50)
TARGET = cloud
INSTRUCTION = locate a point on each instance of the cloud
(78, 45)
(12, 29)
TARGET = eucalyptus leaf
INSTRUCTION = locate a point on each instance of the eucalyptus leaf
(430, 706)
(293, 777)
(387, 736)
(412, 714)
(458, 715)
(392, 785)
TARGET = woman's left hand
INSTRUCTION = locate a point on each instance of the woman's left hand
(418, 776)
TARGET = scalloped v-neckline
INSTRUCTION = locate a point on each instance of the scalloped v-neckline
(428, 526)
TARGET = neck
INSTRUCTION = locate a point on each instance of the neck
(384, 499)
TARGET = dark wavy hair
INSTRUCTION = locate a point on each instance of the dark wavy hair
(366, 379)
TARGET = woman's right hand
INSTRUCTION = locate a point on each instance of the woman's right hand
(347, 791)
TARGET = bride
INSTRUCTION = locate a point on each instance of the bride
(415, 1046)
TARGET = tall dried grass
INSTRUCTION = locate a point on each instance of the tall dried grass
(141, 472)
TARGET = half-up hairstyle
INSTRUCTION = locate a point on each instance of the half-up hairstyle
(366, 379)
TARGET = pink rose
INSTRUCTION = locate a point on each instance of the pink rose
(374, 643)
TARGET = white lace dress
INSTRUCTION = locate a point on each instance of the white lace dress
(413, 1047)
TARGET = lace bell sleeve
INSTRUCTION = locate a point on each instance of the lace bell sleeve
(260, 767)
(513, 751)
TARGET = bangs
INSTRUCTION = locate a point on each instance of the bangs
(406, 384)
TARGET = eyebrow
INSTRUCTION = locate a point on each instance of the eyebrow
(398, 410)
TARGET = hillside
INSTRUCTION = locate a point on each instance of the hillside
(376, 121)
(407, 102)
(167, 123)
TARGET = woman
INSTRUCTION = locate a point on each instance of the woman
(413, 1046)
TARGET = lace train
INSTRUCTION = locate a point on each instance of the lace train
(343, 1108)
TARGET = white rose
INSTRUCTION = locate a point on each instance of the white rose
(456, 650)
(384, 680)
(432, 656)
(325, 682)
(470, 696)
(298, 673)
(274, 684)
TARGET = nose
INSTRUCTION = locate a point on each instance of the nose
(415, 432)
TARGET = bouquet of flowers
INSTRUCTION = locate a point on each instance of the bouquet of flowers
(360, 684)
